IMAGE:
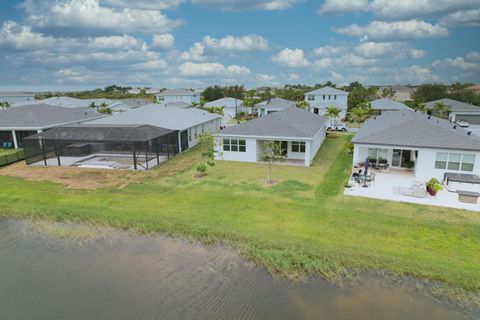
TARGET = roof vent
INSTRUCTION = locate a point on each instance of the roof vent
(455, 127)
(429, 117)
(469, 133)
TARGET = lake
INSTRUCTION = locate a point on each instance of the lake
(47, 274)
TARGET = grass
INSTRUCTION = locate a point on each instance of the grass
(302, 225)
(4, 152)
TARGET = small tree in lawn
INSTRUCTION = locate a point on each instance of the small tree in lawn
(4, 105)
(271, 153)
(206, 142)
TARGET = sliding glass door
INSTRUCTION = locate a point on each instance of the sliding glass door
(400, 158)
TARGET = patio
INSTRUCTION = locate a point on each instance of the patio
(400, 185)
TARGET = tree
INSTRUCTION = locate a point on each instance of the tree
(236, 91)
(213, 93)
(440, 110)
(215, 110)
(361, 113)
(388, 93)
(302, 104)
(333, 113)
(359, 95)
(4, 105)
(92, 105)
(206, 142)
(271, 153)
(429, 92)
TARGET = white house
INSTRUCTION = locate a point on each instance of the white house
(435, 146)
(19, 123)
(300, 133)
(187, 96)
(319, 100)
(231, 107)
(189, 123)
(386, 105)
(17, 97)
(459, 110)
(273, 105)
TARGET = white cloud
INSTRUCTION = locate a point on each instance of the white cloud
(323, 63)
(163, 41)
(236, 5)
(342, 6)
(249, 42)
(458, 63)
(195, 52)
(63, 15)
(329, 51)
(407, 9)
(473, 56)
(142, 4)
(415, 74)
(291, 58)
(399, 30)
(15, 37)
(470, 18)
(417, 53)
(353, 60)
(210, 69)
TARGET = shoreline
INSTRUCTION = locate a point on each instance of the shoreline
(457, 298)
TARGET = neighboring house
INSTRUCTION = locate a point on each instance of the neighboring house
(17, 97)
(187, 96)
(434, 145)
(401, 93)
(272, 105)
(18, 123)
(319, 100)
(385, 105)
(300, 133)
(475, 88)
(459, 110)
(177, 104)
(189, 123)
(68, 102)
(231, 107)
(136, 102)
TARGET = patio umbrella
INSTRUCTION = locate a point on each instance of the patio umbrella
(367, 163)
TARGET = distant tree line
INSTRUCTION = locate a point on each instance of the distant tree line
(109, 92)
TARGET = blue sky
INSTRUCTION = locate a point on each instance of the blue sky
(78, 44)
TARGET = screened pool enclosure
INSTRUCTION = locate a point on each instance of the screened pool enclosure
(138, 147)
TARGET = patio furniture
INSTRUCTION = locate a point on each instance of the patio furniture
(468, 196)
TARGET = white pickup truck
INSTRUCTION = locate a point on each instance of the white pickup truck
(338, 127)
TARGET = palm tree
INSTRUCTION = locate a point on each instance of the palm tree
(92, 105)
(4, 105)
(333, 113)
(440, 110)
(360, 113)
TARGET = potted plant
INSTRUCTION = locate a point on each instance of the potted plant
(433, 186)
(409, 164)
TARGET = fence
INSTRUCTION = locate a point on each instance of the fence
(12, 157)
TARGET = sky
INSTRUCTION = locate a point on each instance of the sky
(85, 44)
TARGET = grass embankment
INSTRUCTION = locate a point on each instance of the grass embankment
(302, 225)
(4, 152)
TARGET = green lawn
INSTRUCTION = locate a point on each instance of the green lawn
(301, 225)
(4, 152)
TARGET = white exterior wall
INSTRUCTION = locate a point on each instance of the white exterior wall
(317, 142)
(213, 126)
(250, 155)
(323, 104)
(164, 100)
(424, 164)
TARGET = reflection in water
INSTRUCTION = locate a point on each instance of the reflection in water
(125, 276)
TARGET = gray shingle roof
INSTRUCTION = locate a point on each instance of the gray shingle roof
(276, 103)
(178, 92)
(40, 116)
(173, 118)
(387, 104)
(225, 102)
(328, 90)
(454, 105)
(291, 122)
(408, 128)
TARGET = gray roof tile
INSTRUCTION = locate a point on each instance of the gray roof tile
(454, 105)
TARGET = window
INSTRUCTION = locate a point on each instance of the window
(190, 135)
(455, 161)
(329, 97)
(234, 145)
(375, 154)
(323, 97)
(335, 97)
(468, 161)
(298, 146)
(195, 132)
(311, 97)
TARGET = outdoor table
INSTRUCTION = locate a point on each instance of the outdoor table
(468, 196)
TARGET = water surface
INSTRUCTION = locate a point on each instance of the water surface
(128, 276)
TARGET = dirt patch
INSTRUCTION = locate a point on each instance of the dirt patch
(91, 179)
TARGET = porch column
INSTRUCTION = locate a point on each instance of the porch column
(308, 148)
(356, 152)
(180, 141)
(15, 143)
